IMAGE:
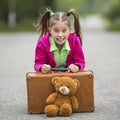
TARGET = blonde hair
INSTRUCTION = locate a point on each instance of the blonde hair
(48, 19)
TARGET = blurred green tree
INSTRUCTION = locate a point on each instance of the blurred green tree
(113, 11)
(24, 8)
(31, 8)
(4, 9)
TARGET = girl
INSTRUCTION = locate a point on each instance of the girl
(57, 46)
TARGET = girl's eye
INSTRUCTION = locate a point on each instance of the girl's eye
(56, 31)
(64, 30)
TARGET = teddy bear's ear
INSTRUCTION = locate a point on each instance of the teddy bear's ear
(55, 80)
(77, 83)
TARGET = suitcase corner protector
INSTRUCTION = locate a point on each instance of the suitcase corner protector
(27, 74)
(30, 113)
(92, 109)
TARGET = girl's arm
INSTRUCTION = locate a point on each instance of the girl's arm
(78, 55)
(40, 57)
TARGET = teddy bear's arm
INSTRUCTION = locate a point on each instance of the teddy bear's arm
(51, 98)
(74, 102)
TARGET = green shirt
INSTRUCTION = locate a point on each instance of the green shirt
(60, 56)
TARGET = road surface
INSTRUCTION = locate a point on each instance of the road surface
(102, 55)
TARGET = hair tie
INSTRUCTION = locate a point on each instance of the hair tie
(52, 14)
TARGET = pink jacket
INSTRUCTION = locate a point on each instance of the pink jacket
(44, 56)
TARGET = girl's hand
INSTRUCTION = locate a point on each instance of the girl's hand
(45, 68)
(73, 68)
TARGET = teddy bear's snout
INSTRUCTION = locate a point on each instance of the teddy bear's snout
(64, 90)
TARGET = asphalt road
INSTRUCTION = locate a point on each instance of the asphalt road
(101, 50)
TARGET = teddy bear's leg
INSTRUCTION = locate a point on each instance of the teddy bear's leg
(65, 110)
(51, 110)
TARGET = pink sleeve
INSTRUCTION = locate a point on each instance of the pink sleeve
(77, 53)
(40, 57)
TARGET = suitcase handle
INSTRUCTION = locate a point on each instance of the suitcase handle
(59, 69)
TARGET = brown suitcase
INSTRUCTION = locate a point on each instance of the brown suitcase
(39, 87)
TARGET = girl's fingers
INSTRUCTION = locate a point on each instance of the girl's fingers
(46, 68)
(73, 68)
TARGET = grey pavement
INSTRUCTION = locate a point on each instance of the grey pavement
(101, 50)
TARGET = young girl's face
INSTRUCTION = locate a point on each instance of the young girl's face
(60, 32)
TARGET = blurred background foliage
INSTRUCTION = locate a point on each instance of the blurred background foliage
(19, 15)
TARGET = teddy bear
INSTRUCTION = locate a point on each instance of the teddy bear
(63, 101)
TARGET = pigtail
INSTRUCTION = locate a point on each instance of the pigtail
(76, 23)
(43, 24)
